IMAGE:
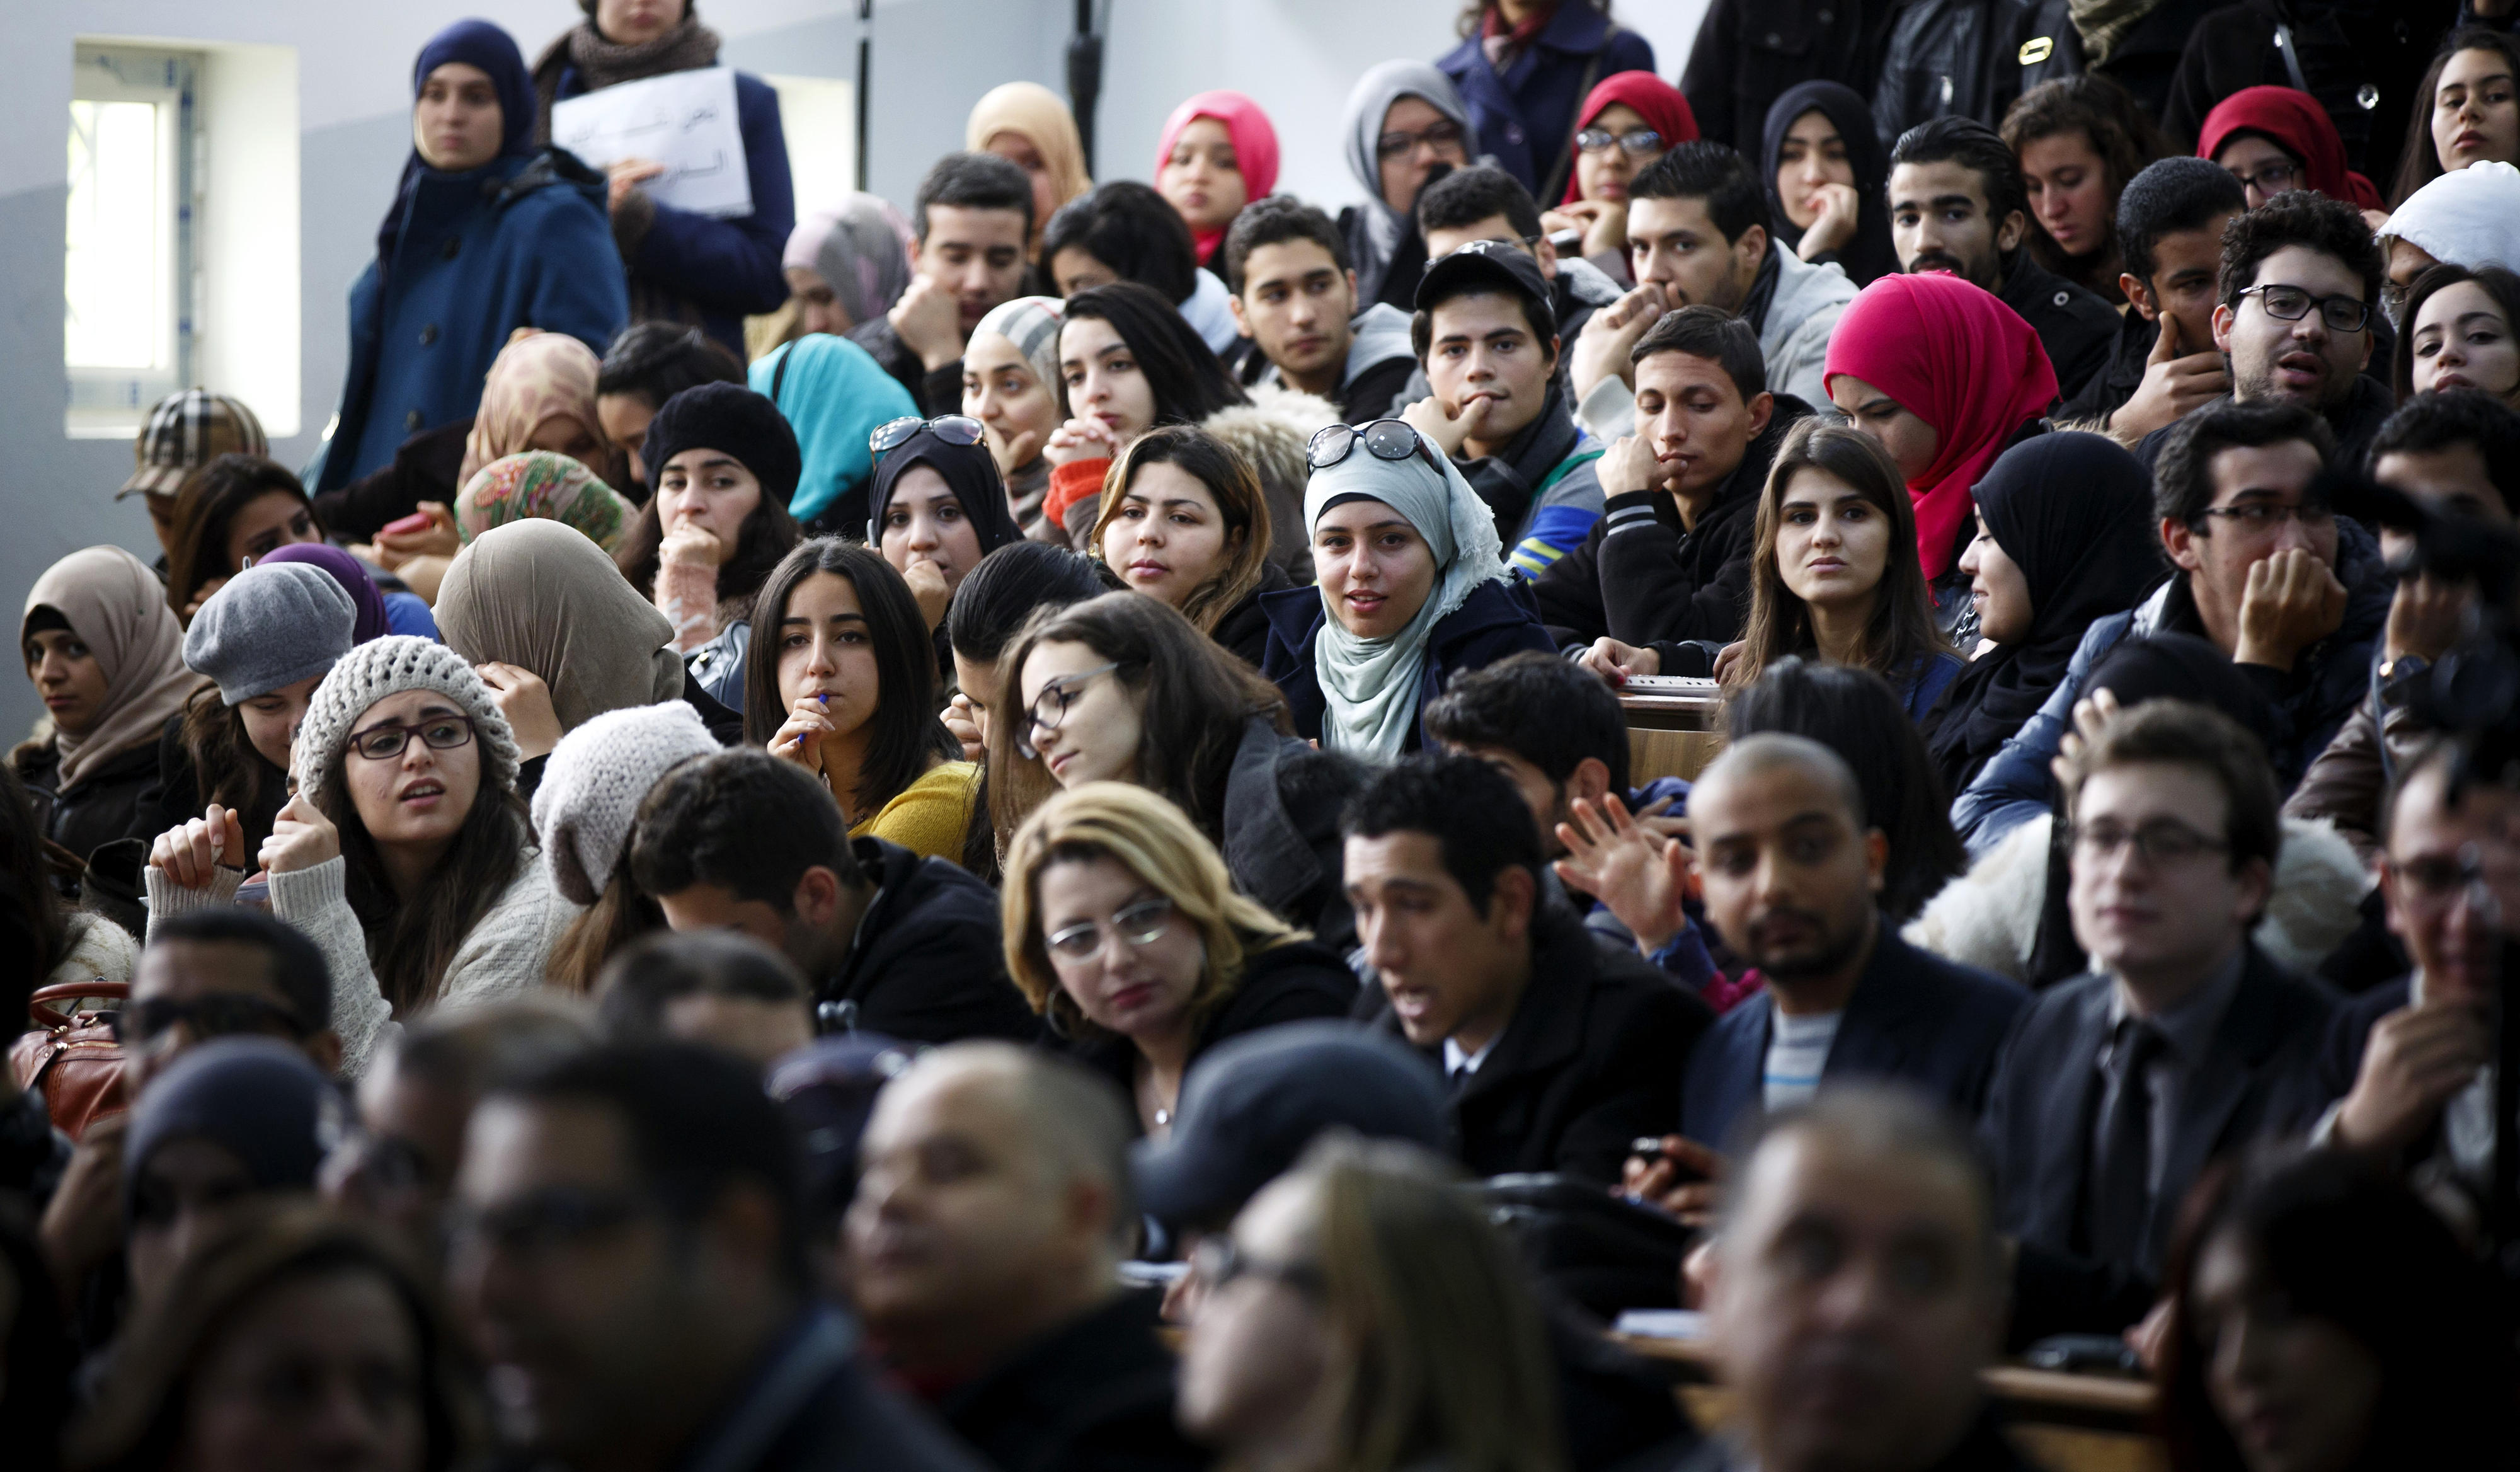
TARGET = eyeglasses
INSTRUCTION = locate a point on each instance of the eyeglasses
(1050, 707)
(1382, 439)
(440, 733)
(1218, 1262)
(2159, 843)
(1446, 135)
(544, 1221)
(2438, 878)
(953, 429)
(221, 1014)
(1634, 144)
(2266, 516)
(2290, 303)
(2270, 179)
(1139, 924)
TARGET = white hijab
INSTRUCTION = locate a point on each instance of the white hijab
(2469, 218)
(1371, 685)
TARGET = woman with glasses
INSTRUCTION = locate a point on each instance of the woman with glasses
(1412, 590)
(1122, 688)
(1184, 520)
(938, 507)
(404, 853)
(1124, 928)
(1625, 124)
(1826, 169)
(2273, 138)
(2456, 331)
(1403, 119)
(845, 685)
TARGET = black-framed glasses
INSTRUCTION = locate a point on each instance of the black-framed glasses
(2160, 843)
(1218, 1261)
(221, 1014)
(2290, 303)
(1635, 143)
(1444, 134)
(1050, 707)
(544, 1221)
(439, 733)
(2267, 516)
(2271, 179)
(1382, 439)
(2438, 878)
(1140, 923)
(893, 434)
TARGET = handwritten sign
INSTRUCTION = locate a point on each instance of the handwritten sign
(685, 120)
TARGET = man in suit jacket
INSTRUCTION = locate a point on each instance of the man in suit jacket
(1557, 1049)
(2116, 1090)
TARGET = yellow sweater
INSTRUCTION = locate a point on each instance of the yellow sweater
(930, 815)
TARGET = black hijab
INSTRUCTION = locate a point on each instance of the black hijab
(968, 473)
(2075, 512)
(1869, 255)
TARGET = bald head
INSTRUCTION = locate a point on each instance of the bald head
(1778, 751)
(1070, 1123)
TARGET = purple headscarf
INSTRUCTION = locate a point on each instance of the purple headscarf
(354, 579)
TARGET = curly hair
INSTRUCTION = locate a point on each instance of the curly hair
(2109, 120)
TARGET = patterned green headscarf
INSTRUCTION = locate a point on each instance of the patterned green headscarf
(542, 484)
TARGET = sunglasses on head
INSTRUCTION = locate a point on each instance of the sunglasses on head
(1382, 439)
(893, 434)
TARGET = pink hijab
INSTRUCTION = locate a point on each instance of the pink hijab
(1255, 148)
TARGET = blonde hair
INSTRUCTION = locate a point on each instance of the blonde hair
(1148, 836)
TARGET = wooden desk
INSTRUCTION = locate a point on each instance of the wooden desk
(1674, 727)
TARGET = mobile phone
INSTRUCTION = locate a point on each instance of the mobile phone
(1649, 1148)
(1567, 242)
(418, 521)
(2072, 1353)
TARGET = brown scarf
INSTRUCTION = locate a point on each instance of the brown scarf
(599, 63)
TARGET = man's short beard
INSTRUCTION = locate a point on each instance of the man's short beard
(1831, 959)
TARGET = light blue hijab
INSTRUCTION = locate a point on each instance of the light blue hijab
(832, 393)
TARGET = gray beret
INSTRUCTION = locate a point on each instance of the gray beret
(271, 625)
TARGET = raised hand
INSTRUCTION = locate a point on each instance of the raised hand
(301, 838)
(1638, 875)
(190, 856)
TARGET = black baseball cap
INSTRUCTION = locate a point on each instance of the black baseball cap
(1251, 1105)
(1484, 265)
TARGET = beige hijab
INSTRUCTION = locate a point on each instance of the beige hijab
(118, 610)
(1040, 115)
(539, 595)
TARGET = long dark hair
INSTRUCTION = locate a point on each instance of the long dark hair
(227, 770)
(769, 533)
(2117, 129)
(1193, 698)
(206, 507)
(989, 612)
(1240, 504)
(1188, 381)
(2500, 281)
(908, 737)
(2420, 163)
(1900, 637)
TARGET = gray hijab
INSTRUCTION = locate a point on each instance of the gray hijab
(1375, 92)
(862, 250)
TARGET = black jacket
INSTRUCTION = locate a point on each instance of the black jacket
(1093, 1395)
(1983, 1449)
(926, 966)
(811, 1406)
(1641, 579)
(1244, 629)
(1281, 839)
(2341, 46)
(1497, 619)
(105, 807)
(1297, 981)
(1915, 1018)
(2107, 391)
(1584, 1066)
(2078, 329)
(1969, 58)
(427, 467)
(937, 392)
(1749, 53)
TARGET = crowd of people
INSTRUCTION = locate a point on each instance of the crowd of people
(1167, 956)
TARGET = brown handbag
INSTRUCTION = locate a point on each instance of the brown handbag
(71, 1054)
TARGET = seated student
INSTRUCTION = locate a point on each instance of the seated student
(2297, 310)
(1216, 156)
(1030, 126)
(1558, 1049)
(2459, 334)
(1119, 688)
(990, 612)
(404, 853)
(2462, 219)
(265, 641)
(2064, 538)
(2234, 492)
(1403, 119)
(721, 989)
(646, 365)
(540, 394)
(893, 943)
(1861, 1236)
(1295, 298)
(1411, 590)
(1905, 368)
(2184, 1042)
(1485, 203)
(992, 1289)
(2169, 230)
(936, 507)
(1621, 127)
(222, 973)
(1668, 561)
(585, 811)
(1825, 166)
(1489, 342)
(1125, 231)
(835, 396)
(1127, 363)
(2079, 142)
(1011, 385)
(2274, 139)
(1184, 520)
(845, 688)
(1693, 197)
(725, 469)
(974, 221)
(104, 653)
(2322, 1316)
(1794, 871)
(850, 264)
(186, 430)
(1125, 932)
(2410, 1063)
(1957, 206)
(1831, 575)
(691, 1323)
(236, 510)
(540, 486)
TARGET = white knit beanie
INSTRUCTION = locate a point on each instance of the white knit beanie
(391, 665)
(595, 781)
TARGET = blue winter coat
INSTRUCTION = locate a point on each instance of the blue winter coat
(520, 242)
(1523, 117)
(725, 268)
(1497, 619)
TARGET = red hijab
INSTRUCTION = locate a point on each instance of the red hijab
(1255, 148)
(1656, 101)
(2299, 126)
(1960, 360)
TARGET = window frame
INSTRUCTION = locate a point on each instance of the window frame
(114, 402)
